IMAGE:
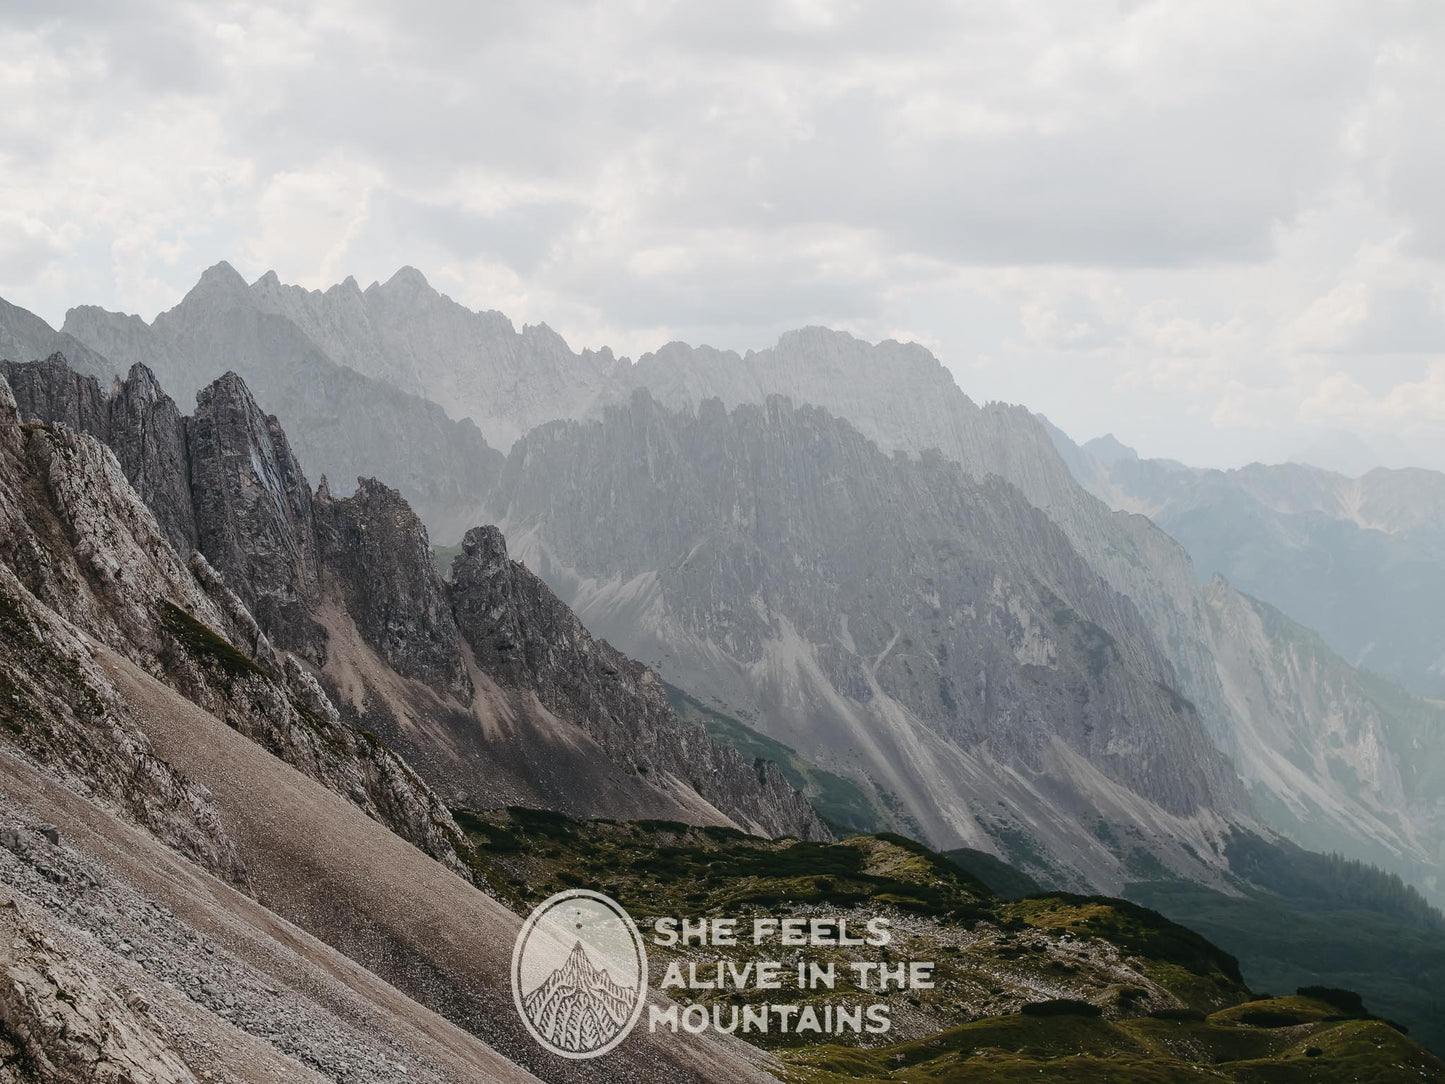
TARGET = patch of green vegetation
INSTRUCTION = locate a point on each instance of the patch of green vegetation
(203, 643)
(1002, 878)
(1062, 1006)
(844, 803)
(1179, 959)
(1309, 920)
(1073, 1049)
(442, 558)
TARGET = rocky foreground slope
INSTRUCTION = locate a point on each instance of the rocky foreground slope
(225, 879)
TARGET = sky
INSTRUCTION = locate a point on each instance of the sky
(1214, 229)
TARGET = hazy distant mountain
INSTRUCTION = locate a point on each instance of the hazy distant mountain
(1349, 454)
(1360, 560)
(1329, 751)
(346, 424)
(475, 363)
(26, 337)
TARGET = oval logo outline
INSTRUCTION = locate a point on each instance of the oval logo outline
(555, 1018)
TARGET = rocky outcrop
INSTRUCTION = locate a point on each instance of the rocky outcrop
(60, 1024)
(524, 636)
(81, 558)
(139, 422)
(253, 514)
(377, 554)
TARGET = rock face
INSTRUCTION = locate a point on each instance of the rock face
(82, 559)
(888, 617)
(377, 553)
(137, 420)
(901, 397)
(253, 513)
(523, 635)
(349, 585)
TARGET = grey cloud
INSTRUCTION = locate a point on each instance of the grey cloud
(146, 46)
(520, 236)
(1399, 321)
(1148, 186)
(753, 29)
(709, 295)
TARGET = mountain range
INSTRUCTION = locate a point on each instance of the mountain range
(210, 871)
(1034, 673)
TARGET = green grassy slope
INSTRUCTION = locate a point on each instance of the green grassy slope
(1310, 919)
(1160, 1002)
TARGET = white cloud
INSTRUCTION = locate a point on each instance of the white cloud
(1208, 226)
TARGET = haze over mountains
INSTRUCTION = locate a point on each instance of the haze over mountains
(1026, 671)
(1357, 559)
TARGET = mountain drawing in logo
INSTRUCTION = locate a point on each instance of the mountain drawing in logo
(579, 974)
(578, 1007)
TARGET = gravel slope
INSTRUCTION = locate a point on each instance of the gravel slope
(315, 859)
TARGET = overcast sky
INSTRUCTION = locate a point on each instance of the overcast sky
(1216, 229)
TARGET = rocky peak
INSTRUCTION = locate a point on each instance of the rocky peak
(253, 513)
(52, 390)
(136, 419)
(407, 282)
(148, 436)
(221, 281)
(376, 550)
